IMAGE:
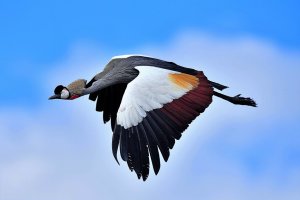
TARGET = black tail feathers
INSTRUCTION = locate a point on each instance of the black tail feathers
(217, 85)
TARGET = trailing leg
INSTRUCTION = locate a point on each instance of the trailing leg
(238, 100)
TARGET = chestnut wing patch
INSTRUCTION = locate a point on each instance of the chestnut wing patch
(156, 108)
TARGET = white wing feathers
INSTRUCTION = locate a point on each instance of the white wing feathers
(150, 90)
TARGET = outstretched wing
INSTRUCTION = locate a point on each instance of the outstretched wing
(108, 101)
(157, 106)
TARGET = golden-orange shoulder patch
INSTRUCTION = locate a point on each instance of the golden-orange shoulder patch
(185, 81)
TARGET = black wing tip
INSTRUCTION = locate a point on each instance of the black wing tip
(156, 169)
(156, 146)
(115, 143)
(139, 175)
(116, 158)
(167, 156)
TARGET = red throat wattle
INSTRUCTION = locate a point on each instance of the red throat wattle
(75, 96)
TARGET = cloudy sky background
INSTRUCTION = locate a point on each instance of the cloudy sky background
(61, 150)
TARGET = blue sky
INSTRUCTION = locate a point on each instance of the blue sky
(43, 32)
(61, 150)
(36, 34)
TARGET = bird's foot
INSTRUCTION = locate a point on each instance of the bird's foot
(243, 101)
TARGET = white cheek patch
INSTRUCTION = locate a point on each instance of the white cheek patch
(64, 94)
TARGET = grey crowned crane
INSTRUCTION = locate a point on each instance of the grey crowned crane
(149, 102)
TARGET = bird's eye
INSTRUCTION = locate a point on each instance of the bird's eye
(64, 94)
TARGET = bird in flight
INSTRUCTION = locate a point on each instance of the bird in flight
(149, 103)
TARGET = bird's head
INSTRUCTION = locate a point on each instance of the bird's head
(72, 91)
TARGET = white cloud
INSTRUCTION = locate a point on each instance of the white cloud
(62, 150)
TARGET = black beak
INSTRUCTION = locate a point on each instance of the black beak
(56, 96)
